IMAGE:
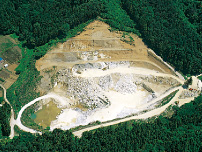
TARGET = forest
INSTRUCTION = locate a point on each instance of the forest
(172, 28)
(4, 120)
(181, 132)
(36, 22)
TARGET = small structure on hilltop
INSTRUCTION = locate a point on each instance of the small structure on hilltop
(6, 65)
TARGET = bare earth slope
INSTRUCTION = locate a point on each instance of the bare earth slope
(98, 44)
(103, 75)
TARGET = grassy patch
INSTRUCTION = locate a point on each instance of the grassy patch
(1, 80)
(1, 99)
(4, 74)
(6, 42)
(126, 37)
(9, 49)
(28, 121)
(11, 55)
(117, 18)
(166, 100)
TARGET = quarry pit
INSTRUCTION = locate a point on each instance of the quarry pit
(102, 75)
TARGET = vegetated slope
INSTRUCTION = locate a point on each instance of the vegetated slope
(24, 89)
(168, 31)
(181, 132)
(36, 22)
(4, 120)
(193, 11)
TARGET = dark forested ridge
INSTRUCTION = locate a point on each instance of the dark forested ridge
(181, 132)
(192, 10)
(36, 22)
(170, 29)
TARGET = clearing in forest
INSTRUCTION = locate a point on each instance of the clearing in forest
(102, 75)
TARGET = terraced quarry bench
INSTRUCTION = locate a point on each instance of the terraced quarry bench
(98, 77)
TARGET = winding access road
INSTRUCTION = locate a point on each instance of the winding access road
(62, 101)
(78, 133)
(146, 115)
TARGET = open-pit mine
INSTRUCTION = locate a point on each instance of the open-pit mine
(101, 75)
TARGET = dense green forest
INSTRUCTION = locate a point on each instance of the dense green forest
(170, 30)
(36, 22)
(192, 10)
(5, 111)
(181, 132)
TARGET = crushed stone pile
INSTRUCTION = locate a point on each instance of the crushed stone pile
(90, 91)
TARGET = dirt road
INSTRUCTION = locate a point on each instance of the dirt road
(60, 99)
(142, 116)
(17, 122)
(79, 133)
(64, 101)
(125, 70)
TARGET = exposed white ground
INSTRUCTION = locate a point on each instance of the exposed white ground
(125, 98)
(71, 118)
(121, 106)
(196, 83)
(142, 116)
(98, 72)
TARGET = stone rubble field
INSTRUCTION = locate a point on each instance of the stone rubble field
(105, 97)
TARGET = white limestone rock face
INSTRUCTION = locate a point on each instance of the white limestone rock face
(103, 91)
